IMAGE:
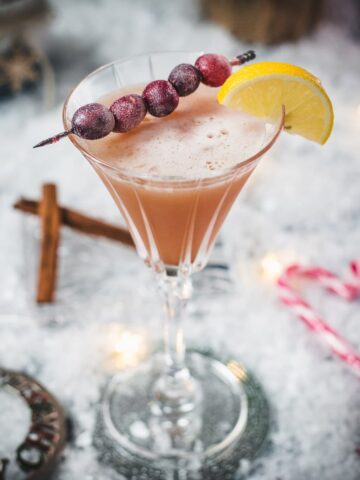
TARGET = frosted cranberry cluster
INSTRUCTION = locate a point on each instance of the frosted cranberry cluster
(159, 98)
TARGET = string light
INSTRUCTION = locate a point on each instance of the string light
(273, 263)
(127, 348)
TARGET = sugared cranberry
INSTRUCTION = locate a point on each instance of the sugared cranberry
(185, 78)
(128, 111)
(160, 98)
(92, 121)
(214, 69)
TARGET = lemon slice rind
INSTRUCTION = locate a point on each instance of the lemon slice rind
(262, 88)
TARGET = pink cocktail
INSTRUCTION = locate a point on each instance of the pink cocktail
(174, 180)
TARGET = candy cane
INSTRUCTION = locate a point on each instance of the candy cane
(349, 290)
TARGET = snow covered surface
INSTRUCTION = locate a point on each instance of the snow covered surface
(302, 202)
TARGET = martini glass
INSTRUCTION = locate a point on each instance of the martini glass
(179, 410)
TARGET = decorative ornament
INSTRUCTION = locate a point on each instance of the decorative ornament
(22, 64)
(20, 68)
(348, 290)
(36, 457)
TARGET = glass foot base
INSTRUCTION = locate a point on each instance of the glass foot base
(233, 422)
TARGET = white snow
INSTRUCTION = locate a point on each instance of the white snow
(302, 199)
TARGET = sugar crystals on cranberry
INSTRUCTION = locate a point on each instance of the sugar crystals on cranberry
(92, 121)
(185, 78)
(160, 98)
(129, 111)
(214, 69)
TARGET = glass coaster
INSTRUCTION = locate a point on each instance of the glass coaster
(235, 422)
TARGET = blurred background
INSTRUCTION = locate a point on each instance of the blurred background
(52, 45)
(302, 204)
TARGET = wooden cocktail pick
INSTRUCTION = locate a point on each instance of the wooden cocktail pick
(49, 213)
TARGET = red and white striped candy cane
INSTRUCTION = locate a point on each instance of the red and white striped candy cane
(349, 290)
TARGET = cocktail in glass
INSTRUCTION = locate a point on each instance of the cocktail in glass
(174, 180)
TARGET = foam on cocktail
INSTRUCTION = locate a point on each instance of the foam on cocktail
(200, 139)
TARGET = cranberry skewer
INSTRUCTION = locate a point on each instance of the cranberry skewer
(159, 98)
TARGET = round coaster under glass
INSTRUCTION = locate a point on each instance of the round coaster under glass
(234, 422)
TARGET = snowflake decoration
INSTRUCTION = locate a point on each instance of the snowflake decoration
(19, 67)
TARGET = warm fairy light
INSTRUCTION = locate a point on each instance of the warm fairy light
(127, 347)
(273, 263)
(270, 267)
(129, 344)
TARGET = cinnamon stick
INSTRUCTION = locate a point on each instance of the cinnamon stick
(50, 233)
(80, 222)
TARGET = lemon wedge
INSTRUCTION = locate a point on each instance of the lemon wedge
(261, 89)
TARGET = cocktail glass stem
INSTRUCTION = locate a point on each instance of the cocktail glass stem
(176, 400)
(176, 292)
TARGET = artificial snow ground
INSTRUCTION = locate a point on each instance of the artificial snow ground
(303, 199)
